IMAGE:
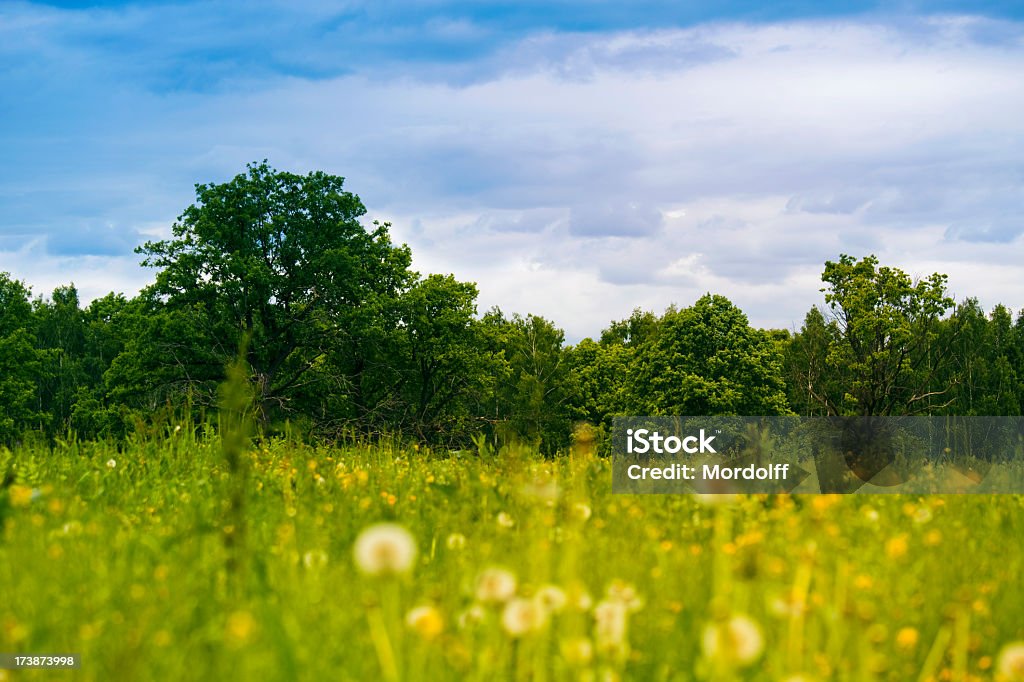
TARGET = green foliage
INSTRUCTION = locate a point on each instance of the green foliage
(280, 259)
(78, 346)
(877, 350)
(599, 375)
(443, 366)
(345, 340)
(707, 359)
(980, 372)
(21, 364)
(531, 402)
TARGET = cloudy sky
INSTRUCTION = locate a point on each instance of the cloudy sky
(576, 159)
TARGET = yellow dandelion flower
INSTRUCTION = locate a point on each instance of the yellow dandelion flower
(579, 598)
(20, 495)
(824, 502)
(907, 638)
(240, 627)
(523, 616)
(385, 548)
(578, 651)
(495, 585)
(1011, 662)
(896, 548)
(425, 621)
(737, 640)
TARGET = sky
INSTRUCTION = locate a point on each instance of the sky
(576, 159)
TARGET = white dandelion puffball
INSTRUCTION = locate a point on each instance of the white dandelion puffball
(623, 592)
(1011, 661)
(610, 618)
(111, 463)
(552, 598)
(384, 549)
(522, 616)
(738, 640)
(474, 615)
(495, 585)
(314, 558)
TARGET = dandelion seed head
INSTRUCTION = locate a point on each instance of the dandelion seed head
(455, 541)
(474, 615)
(581, 511)
(737, 640)
(314, 558)
(625, 593)
(385, 548)
(1011, 662)
(552, 598)
(522, 616)
(610, 622)
(495, 585)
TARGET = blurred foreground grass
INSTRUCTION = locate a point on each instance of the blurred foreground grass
(158, 563)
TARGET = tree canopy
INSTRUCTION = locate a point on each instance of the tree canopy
(340, 336)
(281, 262)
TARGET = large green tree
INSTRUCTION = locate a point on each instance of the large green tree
(708, 360)
(278, 263)
(878, 351)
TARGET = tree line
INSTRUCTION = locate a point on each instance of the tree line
(340, 336)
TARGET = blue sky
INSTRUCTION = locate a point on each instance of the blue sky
(575, 159)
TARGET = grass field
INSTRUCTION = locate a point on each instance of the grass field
(168, 561)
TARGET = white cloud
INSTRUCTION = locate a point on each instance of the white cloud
(588, 175)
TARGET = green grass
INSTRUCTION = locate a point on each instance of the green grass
(165, 566)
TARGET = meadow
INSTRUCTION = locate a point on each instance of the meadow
(164, 559)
